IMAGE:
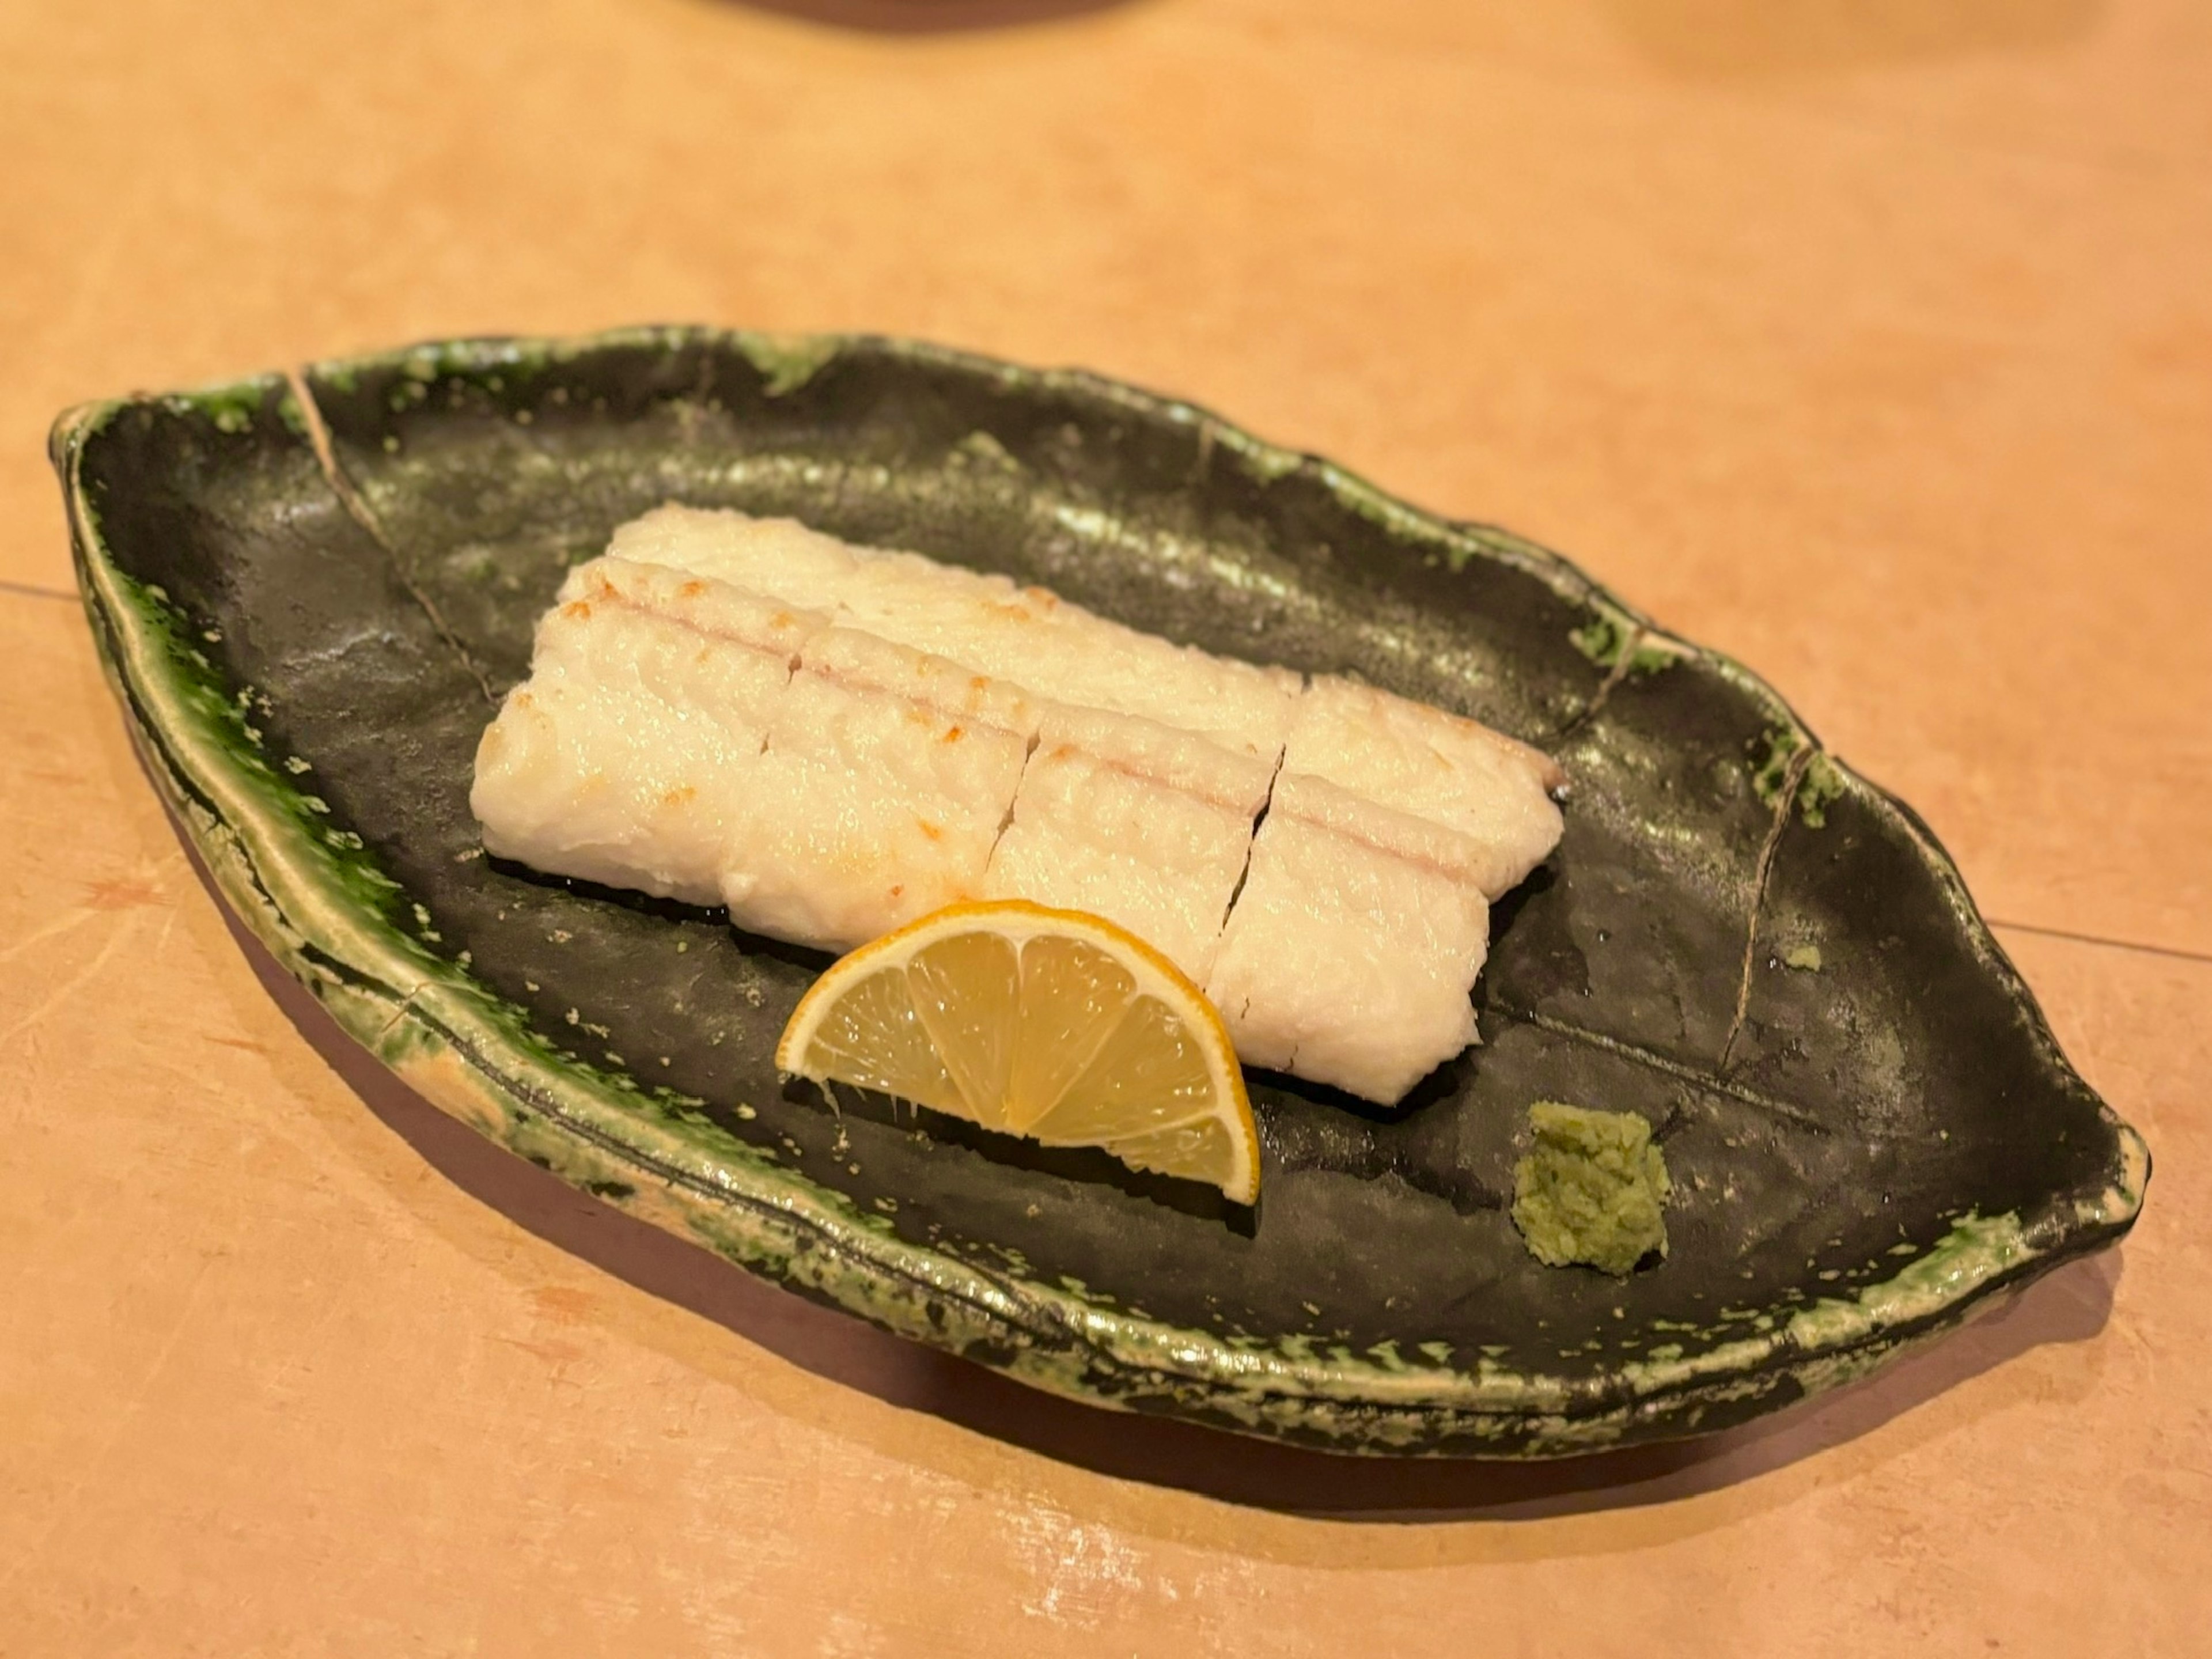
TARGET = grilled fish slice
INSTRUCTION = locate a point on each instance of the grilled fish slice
(1054, 649)
(1419, 760)
(887, 776)
(1136, 821)
(630, 753)
(1351, 951)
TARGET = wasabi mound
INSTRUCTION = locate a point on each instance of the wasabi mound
(1593, 1191)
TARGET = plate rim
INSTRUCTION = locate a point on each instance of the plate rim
(471, 1055)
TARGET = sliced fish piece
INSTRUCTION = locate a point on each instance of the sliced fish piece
(782, 556)
(626, 756)
(1136, 821)
(1071, 655)
(1420, 760)
(1057, 650)
(1351, 951)
(887, 776)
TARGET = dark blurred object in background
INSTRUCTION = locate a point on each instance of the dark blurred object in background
(928, 16)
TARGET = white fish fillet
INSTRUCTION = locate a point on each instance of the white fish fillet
(782, 556)
(1351, 951)
(1435, 765)
(887, 777)
(629, 755)
(1054, 649)
(1136, 821)
(834, 740)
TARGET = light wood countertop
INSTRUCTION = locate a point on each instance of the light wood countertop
(1870, 343)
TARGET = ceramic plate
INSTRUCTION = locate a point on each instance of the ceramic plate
(309, 590)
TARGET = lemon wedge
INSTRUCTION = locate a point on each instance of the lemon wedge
(1054, 1024)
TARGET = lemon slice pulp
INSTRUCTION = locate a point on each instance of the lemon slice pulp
(1054, 1024)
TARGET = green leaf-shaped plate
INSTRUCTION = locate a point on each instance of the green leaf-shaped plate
(308, 589)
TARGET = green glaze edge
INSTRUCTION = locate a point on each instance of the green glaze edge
(320, 909)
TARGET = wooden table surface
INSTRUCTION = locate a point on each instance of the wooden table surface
(1868, 340)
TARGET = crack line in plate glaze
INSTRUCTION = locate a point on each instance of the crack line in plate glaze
(358, 509)
(1785, 800)
(1710, 1081)
(322, 911)
(1614, 676)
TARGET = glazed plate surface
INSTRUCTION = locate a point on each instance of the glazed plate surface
(310, 589)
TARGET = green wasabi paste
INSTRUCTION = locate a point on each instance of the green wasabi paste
(1593, 1190)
